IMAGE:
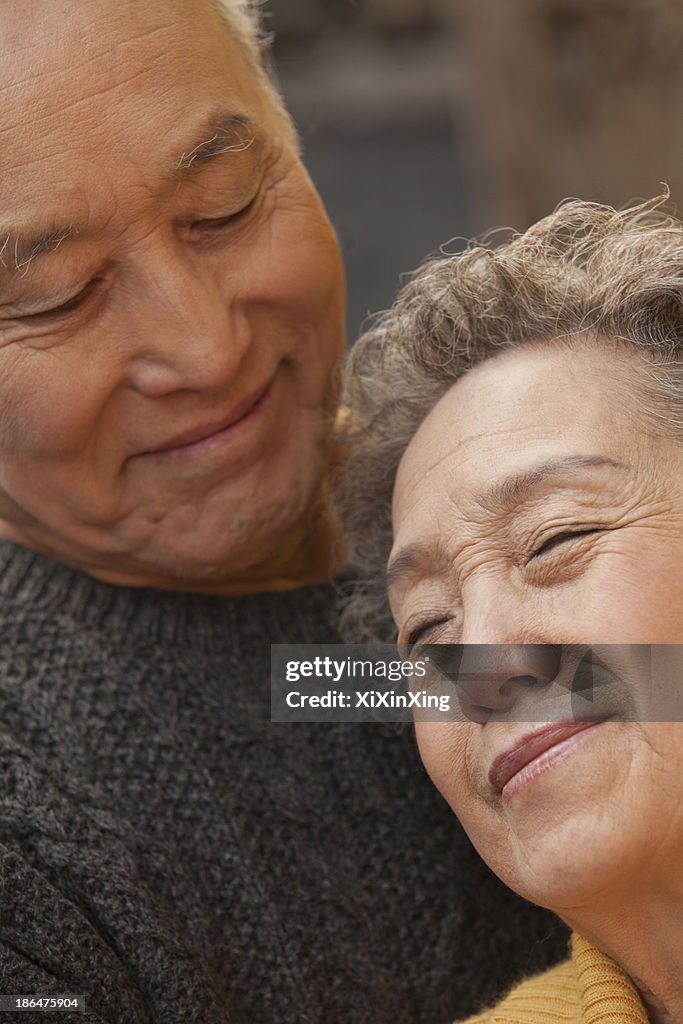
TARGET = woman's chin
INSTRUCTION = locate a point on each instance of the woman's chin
(565, 865)
(555, 835)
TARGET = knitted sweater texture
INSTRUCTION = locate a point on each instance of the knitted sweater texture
(589, 988)
(173, 856)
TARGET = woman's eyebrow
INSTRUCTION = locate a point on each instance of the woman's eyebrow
(419, 558)
(507, 494)
(405, 563)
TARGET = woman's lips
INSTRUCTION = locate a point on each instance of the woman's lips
(540, 749)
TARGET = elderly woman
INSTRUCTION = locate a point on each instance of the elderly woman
(170, 324)
(519, 414)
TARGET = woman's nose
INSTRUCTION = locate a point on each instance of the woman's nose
(492, 676)
(489, 678)
(498, 662)
(191, 337)
(496, 612)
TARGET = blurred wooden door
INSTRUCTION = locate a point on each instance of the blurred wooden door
(569, 98)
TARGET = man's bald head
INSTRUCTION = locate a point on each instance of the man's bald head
(22, 26)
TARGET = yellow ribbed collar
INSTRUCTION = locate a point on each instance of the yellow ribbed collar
(607, 995)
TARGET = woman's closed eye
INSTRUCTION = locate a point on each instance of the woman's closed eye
(423, 631)
(549, 544)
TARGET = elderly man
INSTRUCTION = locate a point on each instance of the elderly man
(170, 323)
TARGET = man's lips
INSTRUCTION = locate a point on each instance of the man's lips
(206, 431)
(531, 746)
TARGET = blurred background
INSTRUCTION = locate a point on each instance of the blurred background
(427, 121)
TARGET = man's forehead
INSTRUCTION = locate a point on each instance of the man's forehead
(59, 58)
(27, 236)
(21, 23)
(114, 82)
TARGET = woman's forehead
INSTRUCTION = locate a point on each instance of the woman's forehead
(516, 414)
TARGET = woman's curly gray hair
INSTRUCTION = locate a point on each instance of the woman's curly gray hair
(586, 268)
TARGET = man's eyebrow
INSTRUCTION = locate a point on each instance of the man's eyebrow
(222, 133)
(18, 249)
(507, 494)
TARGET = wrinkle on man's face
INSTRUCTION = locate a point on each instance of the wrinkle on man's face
(162, 255)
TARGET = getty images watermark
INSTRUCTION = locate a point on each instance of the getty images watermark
(476, 682)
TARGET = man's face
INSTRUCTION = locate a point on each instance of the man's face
(170, 296)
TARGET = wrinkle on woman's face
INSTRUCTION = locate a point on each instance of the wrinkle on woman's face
(536, 504)
(539, 506)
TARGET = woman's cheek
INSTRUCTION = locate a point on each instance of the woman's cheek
(633, 599)
(444, 751)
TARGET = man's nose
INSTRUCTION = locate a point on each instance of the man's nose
(489, 678)
(188, 335)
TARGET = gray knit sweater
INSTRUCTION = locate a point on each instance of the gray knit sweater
(171, 855)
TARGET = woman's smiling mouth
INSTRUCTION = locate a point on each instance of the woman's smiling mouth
(534, 754)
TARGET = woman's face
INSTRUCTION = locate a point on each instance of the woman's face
(536, 505)
(171, 296)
